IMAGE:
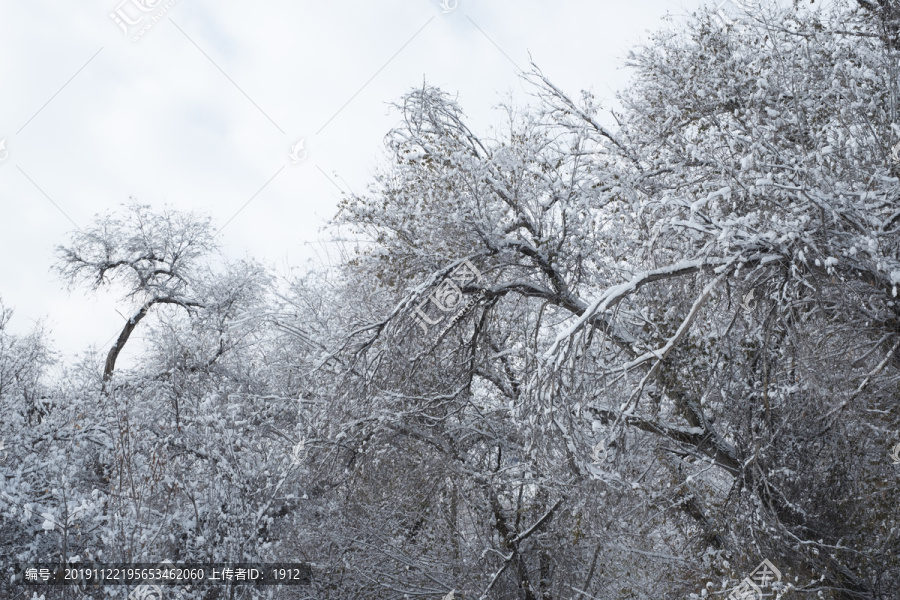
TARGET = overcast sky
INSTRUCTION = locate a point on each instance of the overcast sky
(202, 110)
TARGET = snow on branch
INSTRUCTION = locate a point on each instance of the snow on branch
(616, 293)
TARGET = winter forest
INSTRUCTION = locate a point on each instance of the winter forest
(556, 361)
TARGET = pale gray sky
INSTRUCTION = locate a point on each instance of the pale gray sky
(202, 111)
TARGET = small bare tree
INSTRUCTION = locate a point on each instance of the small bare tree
(154, 256)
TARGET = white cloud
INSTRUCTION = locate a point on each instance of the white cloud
(157, 120)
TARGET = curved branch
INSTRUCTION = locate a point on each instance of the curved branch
(117, 347)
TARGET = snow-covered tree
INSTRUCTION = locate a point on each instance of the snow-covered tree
(708, 292)
(562, 360)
